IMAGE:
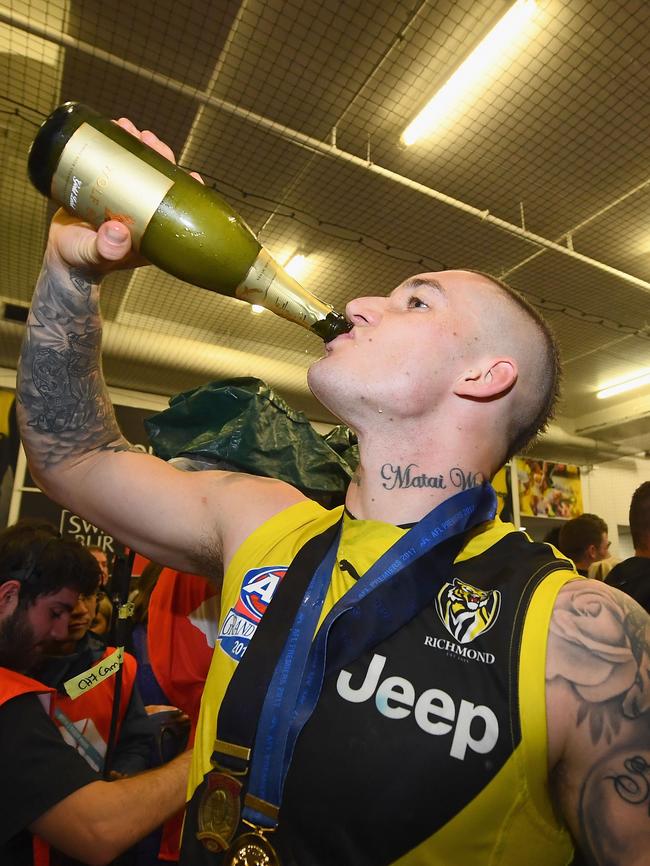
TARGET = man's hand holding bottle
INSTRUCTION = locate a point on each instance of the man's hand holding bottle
(108, 248)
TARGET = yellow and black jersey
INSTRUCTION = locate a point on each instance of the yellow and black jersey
(429, 749)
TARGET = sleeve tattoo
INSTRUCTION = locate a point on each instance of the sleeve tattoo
(599, 645)
(61, 391)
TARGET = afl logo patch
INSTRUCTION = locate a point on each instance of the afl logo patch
(466, 611)
(257, 590)
(241, 621)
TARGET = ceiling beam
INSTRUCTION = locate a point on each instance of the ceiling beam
(14, 19)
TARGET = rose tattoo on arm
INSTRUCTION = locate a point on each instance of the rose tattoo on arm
(599, 645)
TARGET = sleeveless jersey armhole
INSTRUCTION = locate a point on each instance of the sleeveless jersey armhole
(532, 697)
(301, 515)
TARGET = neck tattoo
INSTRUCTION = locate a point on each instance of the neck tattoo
(395, 476)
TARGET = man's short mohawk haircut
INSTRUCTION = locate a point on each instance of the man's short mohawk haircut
(534, 420)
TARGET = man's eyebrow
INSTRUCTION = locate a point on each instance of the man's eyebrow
(64, 605)
(415, 283)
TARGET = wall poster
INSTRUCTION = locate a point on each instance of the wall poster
(549, 489)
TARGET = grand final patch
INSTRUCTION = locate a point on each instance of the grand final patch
(466, 611)
(241, 621)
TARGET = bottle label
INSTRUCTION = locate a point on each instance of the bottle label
(270, 286)
(99, 180)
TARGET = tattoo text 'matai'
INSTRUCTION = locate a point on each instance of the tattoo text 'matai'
(396, 477)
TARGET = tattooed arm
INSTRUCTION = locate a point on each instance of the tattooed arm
(598, 716)
(75, 449)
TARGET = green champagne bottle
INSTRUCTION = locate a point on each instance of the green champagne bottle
(98, 171)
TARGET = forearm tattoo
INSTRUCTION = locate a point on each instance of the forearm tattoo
(61, 393)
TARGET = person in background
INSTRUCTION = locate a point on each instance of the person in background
(102, 560)
(474, 703)
(584, 540)
(85, 721)
(173, 623)
(101, 624)
(150, 689)
(600, 570)
(50, 794)
(175, 629)
(552, 536)
(633, 575)
(170, 724)
(183, 630)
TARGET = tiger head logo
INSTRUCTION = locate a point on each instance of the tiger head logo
(466, 611)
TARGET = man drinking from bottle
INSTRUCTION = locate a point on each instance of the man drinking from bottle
(405, 680)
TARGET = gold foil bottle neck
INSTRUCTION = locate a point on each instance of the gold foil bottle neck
(270, 286)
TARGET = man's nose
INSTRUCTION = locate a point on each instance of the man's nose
(364, 310)
(82, 605)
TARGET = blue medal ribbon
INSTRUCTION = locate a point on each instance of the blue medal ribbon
(375, 607)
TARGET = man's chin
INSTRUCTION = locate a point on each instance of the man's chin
(23, 663)
(34, 656)
(323, 386)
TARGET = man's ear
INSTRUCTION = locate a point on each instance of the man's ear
(9, 593)
(486, 381)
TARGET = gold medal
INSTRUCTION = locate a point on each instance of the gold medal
(251, 849)
(219, 811)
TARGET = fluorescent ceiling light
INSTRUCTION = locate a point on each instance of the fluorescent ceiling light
(298, 266)
(493, 53)
(627, 385)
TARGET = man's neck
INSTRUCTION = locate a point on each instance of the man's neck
(402, 488)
